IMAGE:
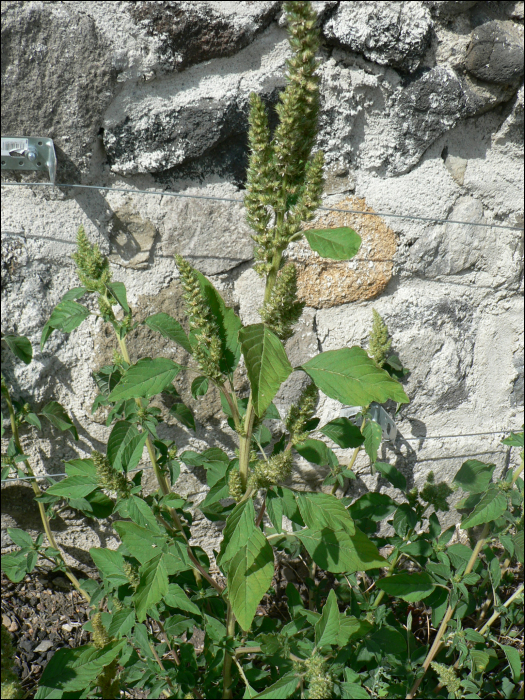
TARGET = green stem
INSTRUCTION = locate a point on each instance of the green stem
(41, 507)
(227, 668)
(233, 406)
(391, 568)
(450, 611)
(245, 443)
(350, 465)
(506, 604)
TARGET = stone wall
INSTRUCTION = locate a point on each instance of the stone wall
(422, 115)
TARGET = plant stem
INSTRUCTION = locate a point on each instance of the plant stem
(227, 668)
(450, 611)
(350, 465)
(245, 443)
(506, 604)
(391, 568)
(41, 507)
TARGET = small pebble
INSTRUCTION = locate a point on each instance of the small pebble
(44, 646)
(67, 627)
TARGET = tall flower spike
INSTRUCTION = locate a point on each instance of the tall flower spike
(301, 412)
(274, 470)
(208, 348)
(379, 343)
(92, 267)
(283, 310)
(108, 477)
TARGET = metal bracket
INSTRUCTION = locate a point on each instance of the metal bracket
(29, 153)
(378, 414)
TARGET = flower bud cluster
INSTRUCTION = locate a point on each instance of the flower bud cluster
(92, 267)
(132, 575)
(301, 412)
(208, 348)
(273, 471)
(108, 477)
(379, 343)
(100, 636)
(436, 494)
(235, 485)
(320, 683)
(447, 677)
(282, 310)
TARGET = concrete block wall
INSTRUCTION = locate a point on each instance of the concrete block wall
(421, 116)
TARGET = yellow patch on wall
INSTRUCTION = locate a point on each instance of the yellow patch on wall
(323, 283)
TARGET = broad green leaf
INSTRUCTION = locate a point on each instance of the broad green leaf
(73, 487)
(405, 519)
(294, 600)
(141, 543)
(177, 598)
(122, 433)
(274, 508)
(514, 439)
(74, 294)
(184, 414)
(481, 659)
(373, 505)
(57, 416)
(373, 435)
(71, 670)
(14, 566)
(33, 419)
(228, 323)
(289, 504)
(153, 586)
(517, 541)
(351, 377)
(81, 467)
(334, 243)
(250, 574)
(141, 514)
(169, 328)
(107, 378)
(240, 526)
(118, 289)
(110, 563)
(199, 387)
(20, 346)
(66, 316)
(284, 687)
(327, 627)
(409, 587)
(515, 662)
(321, 510)
(343, 432)
(474, 476)
(121, 623)
(316, 451)
(20, 537)
(392, 475)
(491, 506)
(339, 552)
(266, 363)
(351, 628)
(352, 691)
(145, 379)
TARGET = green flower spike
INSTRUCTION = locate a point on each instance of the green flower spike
(92, 267)
(108, 477)
(274, 470)
(301, 412)
(380, 343)
(283, 310)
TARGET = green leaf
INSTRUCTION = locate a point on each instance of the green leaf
(240, 526)
(352, 691)
(71, 670)
(118, 289)
(266, 363)
(491, 506)
(514, 659)
(335, 243)
(33, 419)
(66, 316)
(20, 346)
(373, 435)
(177, 598)
(321, 510)
(405, 518)
(81, 467)
(199, 387)
(343, 432)
(351, 377)
(20, 537)
(141, 514)
(169, 328)
(351, 628)
(409, 587)
(141, 543)
(58, 417)
(14, 566)
(74, 293)
(110, 563)
(339, 552)
(474, 476)
(145, 379)
(184, 414)
(250, 574)
(274, 508)
(229, 325)
(517, 540)
(284, 687)
(121, 435)
(514, 439)
(392, 475)
(153, 586)
(73, 487)
(317, 452)
(121, 623)
(372, 505)
(327, 627)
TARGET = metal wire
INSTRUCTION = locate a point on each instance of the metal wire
(402, 439)
(240, 201)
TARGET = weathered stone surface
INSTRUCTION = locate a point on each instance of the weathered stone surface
(132, 238)
(57, 78)
(192, 32)
(495, 52)
(324, 283)
(450, 8)
(396, 34)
